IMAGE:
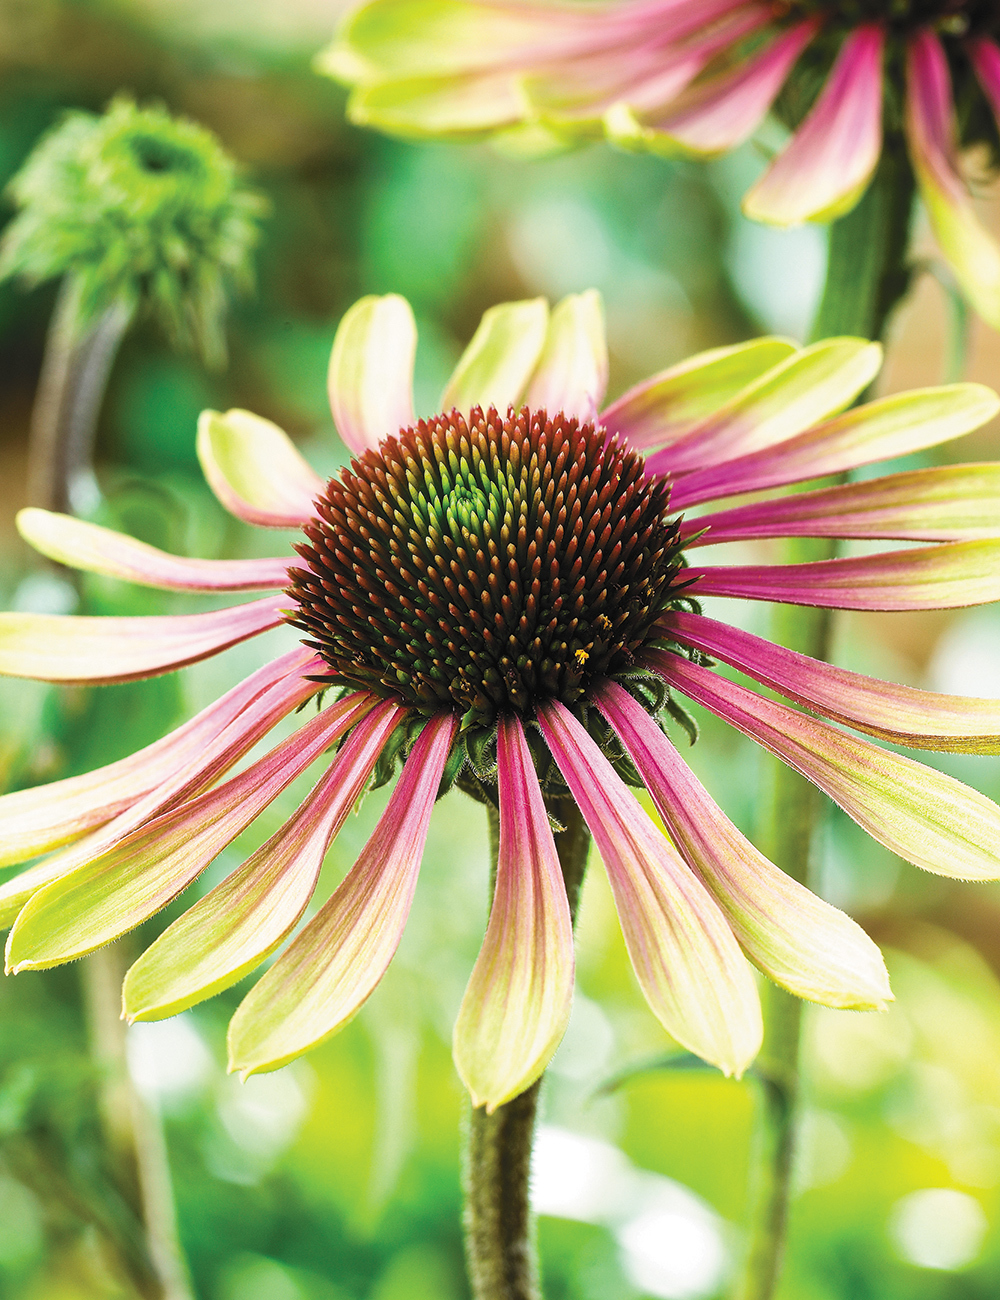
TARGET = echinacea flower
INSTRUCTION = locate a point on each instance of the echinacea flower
(504, 597)
(696, 78)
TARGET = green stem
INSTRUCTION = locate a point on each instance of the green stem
(75, 371)
(499, 1236)
(867, 274)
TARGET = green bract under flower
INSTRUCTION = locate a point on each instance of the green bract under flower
(487, 564)
(142, 209)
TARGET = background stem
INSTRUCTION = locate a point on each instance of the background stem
(867, 274)
(499, 1235)
(75, 372)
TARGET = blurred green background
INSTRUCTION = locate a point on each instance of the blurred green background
(338, 1178)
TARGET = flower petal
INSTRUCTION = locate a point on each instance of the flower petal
(902, 714)
(230, 931)
(81, 648)
(572, 372)
(114, 892)
(984, 56)
(722, 112)
(331, 968)
(100, 550)
(420, 108)
(949, 503)
(668, 406)
(289, 689)
(972, 253)
(804, 944)
(807, 387)
(494, 370)
(948, 576)
(892, 426)
(517, 1005)
(36, 820)
(255, 471)
(828, 163)
(928, 818)
(370, 379)
(682, 950)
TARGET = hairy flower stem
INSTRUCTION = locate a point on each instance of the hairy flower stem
(75, 371)
(499, 1236)
(867, 274)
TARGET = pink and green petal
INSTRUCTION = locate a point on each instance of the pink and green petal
(984, 55)
(230, 931)
(370, 380)
(902, 714)
(970, 250)
(810, 385)
(928, 818)
(949, 503)
(517, 1004)
(669, 406)
(685, 957)
(828, 163)
(572, 372)
(892, 426)
(496, 368)
(114, 892)
(44, 817)
(210, 762)
(802, 943)
(722, 112)
(949, 576)
(436, 108)
(329, 970)
(81, 648)
(255, 470)
(99, 550)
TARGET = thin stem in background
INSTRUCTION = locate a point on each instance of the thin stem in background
(75, 373)
(867, 275)
(499, 1230)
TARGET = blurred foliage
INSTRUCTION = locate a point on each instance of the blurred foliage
(338, 1178)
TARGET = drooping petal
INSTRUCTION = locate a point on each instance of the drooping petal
(230, 931)
(682, 950)
(517, 1004)
(497, 365)
(81, 648)
(928, 818)
(972, 253)
(827, 165)
(370, 379)
(572, 372)
(436, 108)
(331, 968)
(891, 426)
(804, 944)
(949, 503)
(667, 407)
(288, 691)
(36, 820)
(949, 576)
(116, 891)
(100, 550)
(903, 714)
(807, 387)
(984, 56)
(255, 471)
(722, 112)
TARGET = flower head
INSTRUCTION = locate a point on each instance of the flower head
(145, 210)
(696, 78)
(503, 597)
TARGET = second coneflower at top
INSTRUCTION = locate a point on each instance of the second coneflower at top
(503, 598)
(697, 78)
